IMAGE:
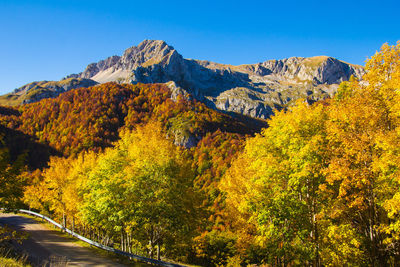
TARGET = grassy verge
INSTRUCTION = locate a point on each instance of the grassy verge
(9, 255)
(9, 262)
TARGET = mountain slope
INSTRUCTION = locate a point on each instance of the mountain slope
(35, 91)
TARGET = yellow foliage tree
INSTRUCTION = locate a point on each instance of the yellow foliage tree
(144, 187)
(275, 183)
(363, 132)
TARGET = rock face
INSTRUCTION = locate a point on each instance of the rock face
(94, 68)
(254, 89)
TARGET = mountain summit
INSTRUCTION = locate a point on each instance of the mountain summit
(120, 68)
(251, 89)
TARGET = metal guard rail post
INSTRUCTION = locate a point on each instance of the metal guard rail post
(96, 244)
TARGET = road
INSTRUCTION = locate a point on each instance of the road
(46, 247)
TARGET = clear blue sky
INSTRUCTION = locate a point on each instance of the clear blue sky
(46, 40)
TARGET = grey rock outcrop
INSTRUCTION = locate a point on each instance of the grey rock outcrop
(177, 91)
(320, 70)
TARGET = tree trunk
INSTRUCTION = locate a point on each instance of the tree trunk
(122, 241)
(64, 221)
(129, 243)
(151, 249)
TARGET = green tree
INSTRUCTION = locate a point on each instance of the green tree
(144, 186)
(11, 182)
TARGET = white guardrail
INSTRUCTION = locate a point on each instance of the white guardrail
(96, 244)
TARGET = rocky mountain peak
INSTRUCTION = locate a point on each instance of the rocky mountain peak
(122, 68)
(148, 52)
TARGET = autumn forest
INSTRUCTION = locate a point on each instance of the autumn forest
(315, 185)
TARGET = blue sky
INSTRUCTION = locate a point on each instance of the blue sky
(46, 40)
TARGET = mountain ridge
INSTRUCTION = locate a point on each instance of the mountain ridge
(249, 89)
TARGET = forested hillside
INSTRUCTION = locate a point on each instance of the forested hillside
(91, 118)
(170, 178)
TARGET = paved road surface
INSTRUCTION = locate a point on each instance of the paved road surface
(46, 248)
